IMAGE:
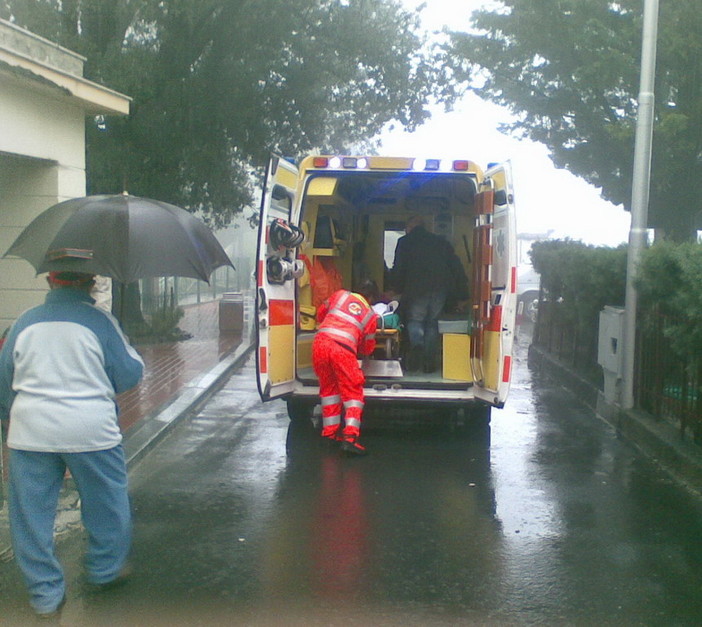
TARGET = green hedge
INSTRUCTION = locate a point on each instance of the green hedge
(670, 283)
(582, 279)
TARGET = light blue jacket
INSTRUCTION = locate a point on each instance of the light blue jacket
(61, 366)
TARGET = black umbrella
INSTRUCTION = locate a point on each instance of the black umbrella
(123, 237)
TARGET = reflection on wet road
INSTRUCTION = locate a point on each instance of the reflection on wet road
(549, 520)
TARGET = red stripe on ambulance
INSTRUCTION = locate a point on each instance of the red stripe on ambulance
(495, 323)
(507, 369)
(282, 312)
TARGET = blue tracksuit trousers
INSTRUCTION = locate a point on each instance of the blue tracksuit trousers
(35, 481)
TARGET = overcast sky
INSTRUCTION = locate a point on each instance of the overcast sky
(549, 201)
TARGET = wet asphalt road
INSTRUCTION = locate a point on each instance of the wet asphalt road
(552, 520)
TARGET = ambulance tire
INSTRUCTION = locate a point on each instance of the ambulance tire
(472, 421)
(299, 410)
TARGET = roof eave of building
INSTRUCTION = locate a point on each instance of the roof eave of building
(94, 98)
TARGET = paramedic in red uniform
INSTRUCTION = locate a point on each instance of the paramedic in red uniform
(346, 328)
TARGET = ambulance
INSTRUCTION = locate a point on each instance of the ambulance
(331, 221)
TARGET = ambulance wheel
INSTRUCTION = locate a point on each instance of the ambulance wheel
(480, 415)
(300, 410)
(472, 421)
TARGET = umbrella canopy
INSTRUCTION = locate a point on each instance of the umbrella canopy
(123, 237)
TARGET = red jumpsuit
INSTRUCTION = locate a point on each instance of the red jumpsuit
(347, 326)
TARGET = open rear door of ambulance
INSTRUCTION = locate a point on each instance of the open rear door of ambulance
(495, 285)
(275, 283)
(499, 332)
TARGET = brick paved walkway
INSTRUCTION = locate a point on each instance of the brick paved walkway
(168, 367)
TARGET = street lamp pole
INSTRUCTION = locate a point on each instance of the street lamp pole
(639, 193)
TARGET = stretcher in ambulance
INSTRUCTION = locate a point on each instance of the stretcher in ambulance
(332, 221)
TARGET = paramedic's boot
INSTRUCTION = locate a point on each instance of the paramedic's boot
(331, 442)
(352, 447)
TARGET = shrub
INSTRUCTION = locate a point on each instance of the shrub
(583, 278)
(669, 282)
(162, 325)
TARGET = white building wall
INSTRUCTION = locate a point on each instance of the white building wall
(44, 101)
(42, 163)
(34, 124)
(26, 185)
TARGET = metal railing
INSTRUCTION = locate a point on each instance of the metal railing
(575, 346)
(667, 385)
(180, 291)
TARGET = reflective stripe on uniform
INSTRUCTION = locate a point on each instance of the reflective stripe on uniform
(330, 400)
(337, 332)
(353, 422)
(330, 421)
(348, 318)
(354, 403)
(368, 317)
(344, 297)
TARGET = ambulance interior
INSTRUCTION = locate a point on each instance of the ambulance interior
(352, 222)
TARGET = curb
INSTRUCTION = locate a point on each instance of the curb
(656, 438)
(141, 439)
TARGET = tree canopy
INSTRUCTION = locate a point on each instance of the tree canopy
(219, 84)
(569, 70)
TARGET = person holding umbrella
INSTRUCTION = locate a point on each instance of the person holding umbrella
(61, 366)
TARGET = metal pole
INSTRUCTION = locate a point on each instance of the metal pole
(639, 193)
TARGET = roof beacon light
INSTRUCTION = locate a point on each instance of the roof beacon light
(461, 165)
(349, 162)
(334, 162)
(320, 162)
(362, 163)
(419, 164)
(432, 164)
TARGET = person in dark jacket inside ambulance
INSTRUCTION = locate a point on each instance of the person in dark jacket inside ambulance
(427, 273)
